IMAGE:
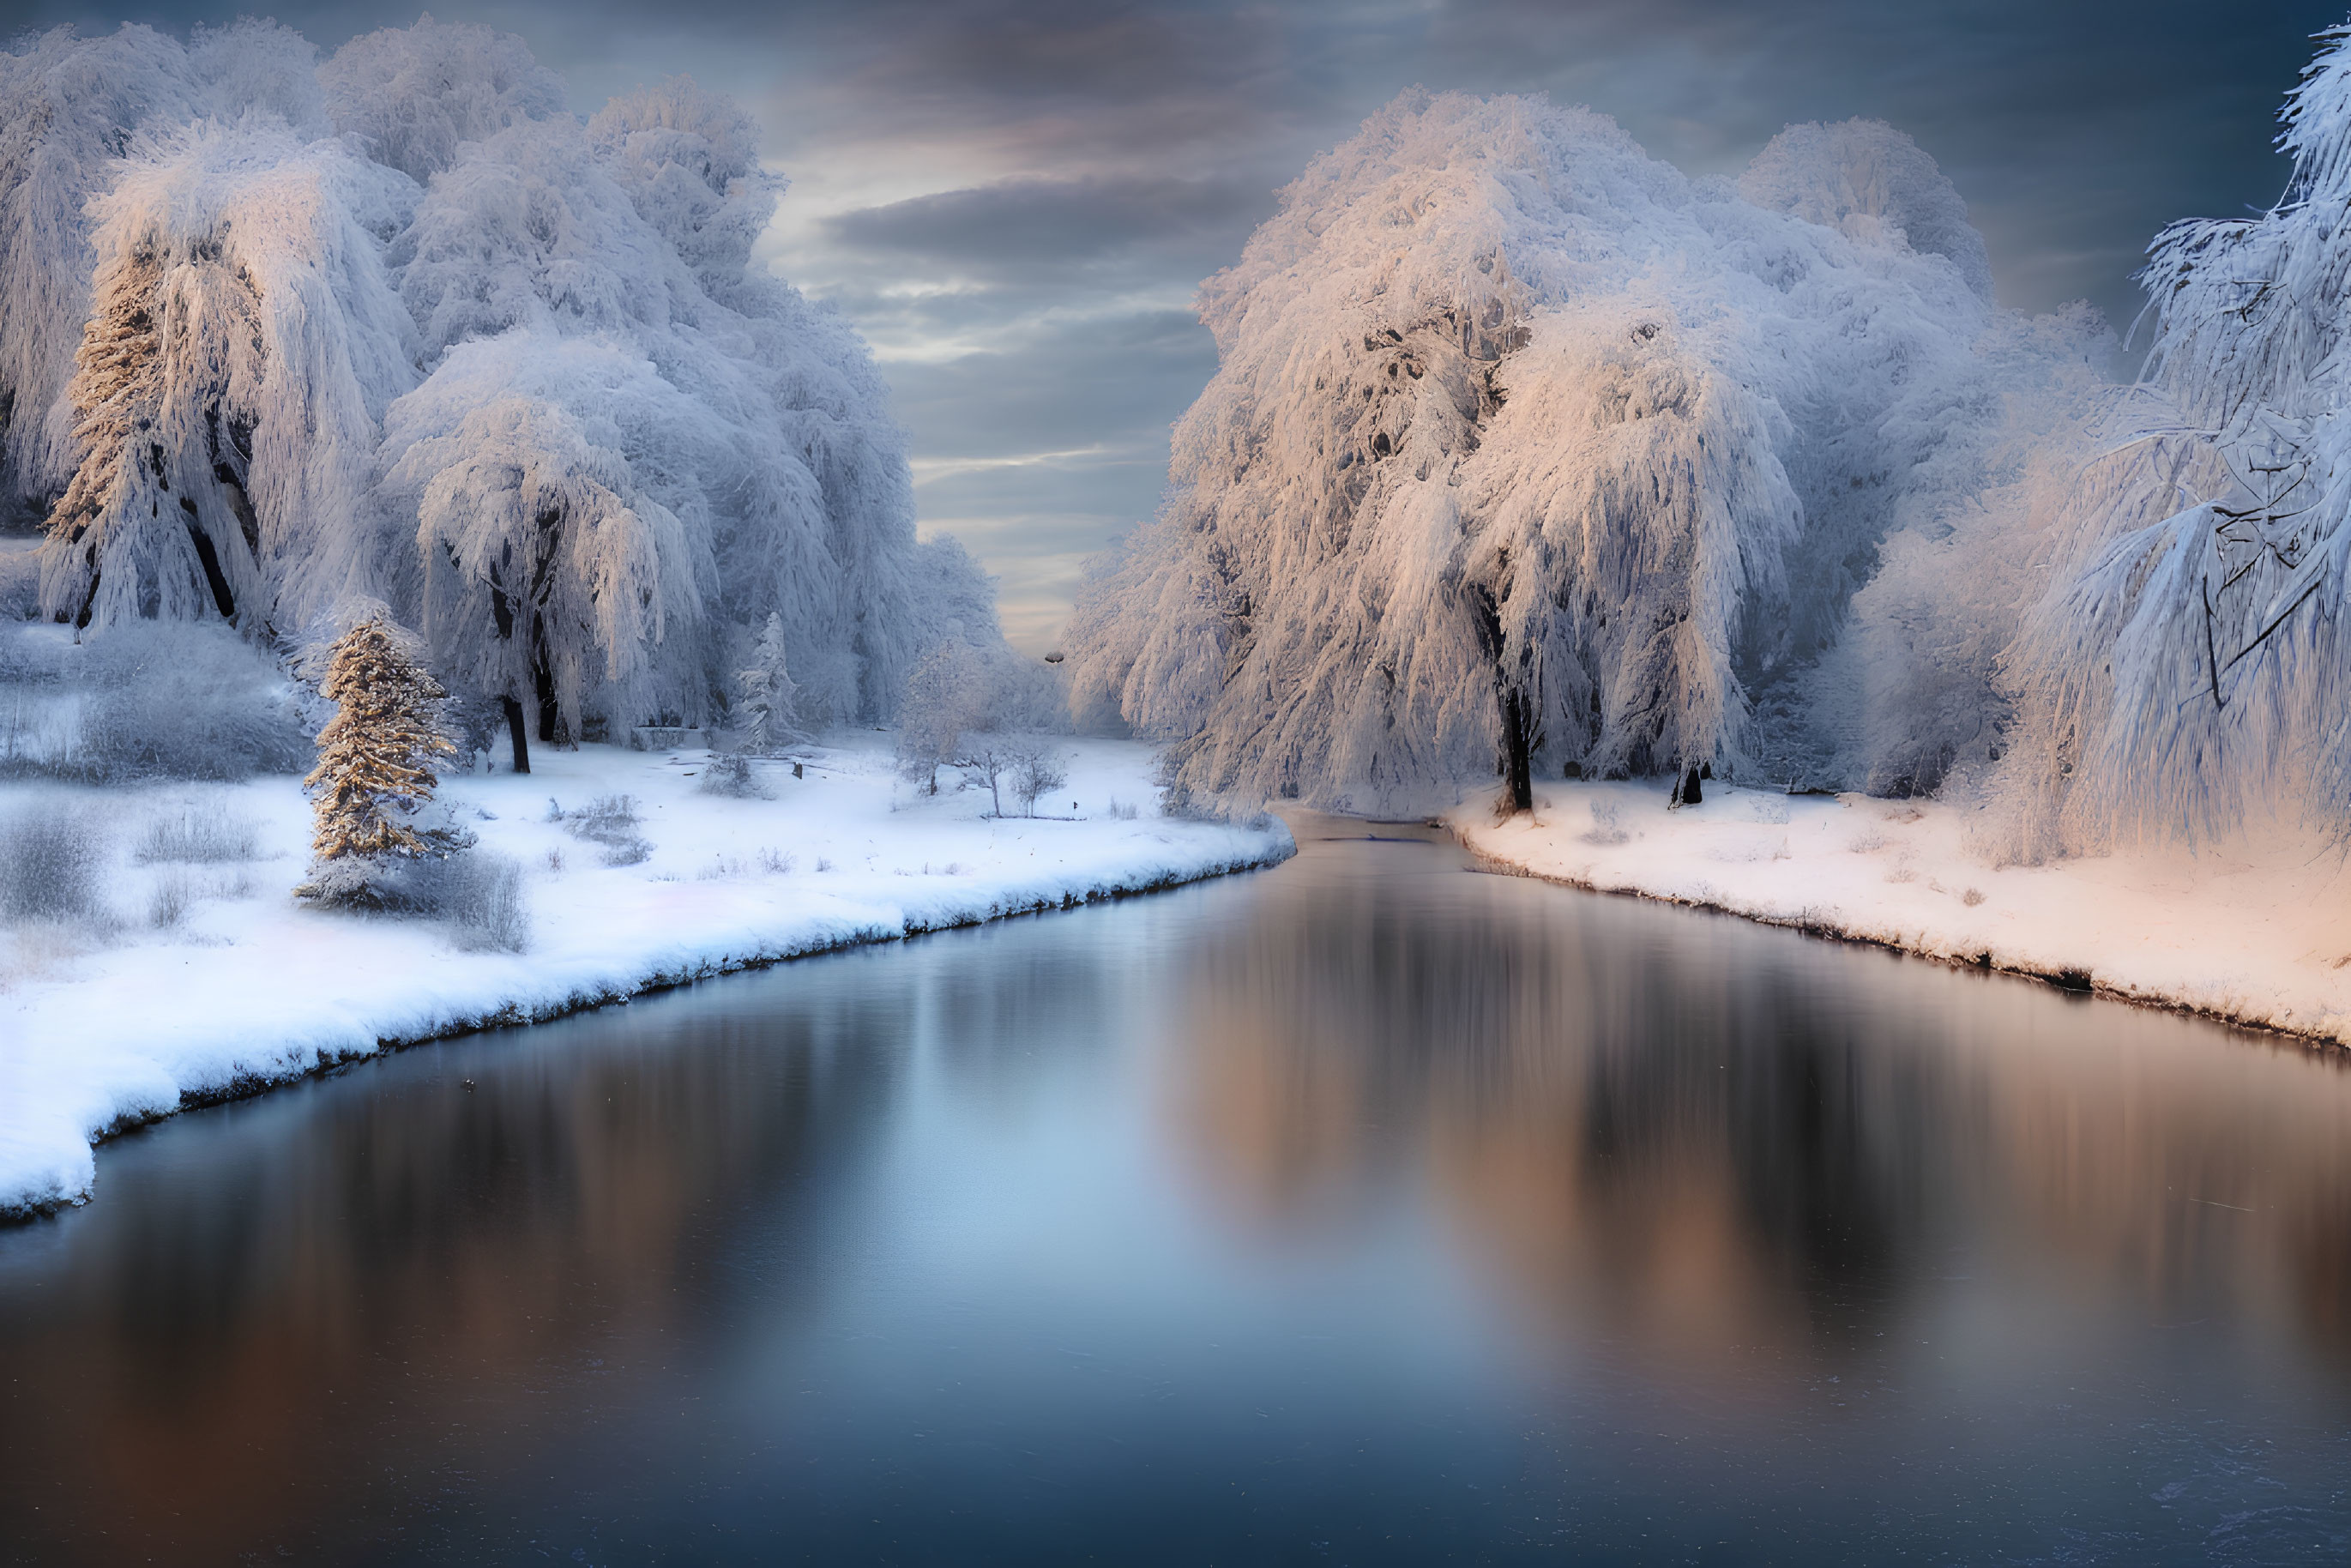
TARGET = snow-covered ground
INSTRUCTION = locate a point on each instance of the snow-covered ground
(2260, 935)
(100, 1030)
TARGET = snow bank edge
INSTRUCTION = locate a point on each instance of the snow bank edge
(34, 1200)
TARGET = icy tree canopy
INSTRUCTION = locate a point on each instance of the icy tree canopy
(277, 332)
(1527, 451)
(2188, 666)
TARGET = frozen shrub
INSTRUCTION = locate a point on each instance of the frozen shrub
(49, 863)
(611, 822)
(482, 902)
(202, 833)
(732, 776)
(477, 894)
(173, 896)
(1972, 898)
(1604, 828)
(774, 863)
(164, 701)
(1037, 769)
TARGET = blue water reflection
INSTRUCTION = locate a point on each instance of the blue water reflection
(1368, 1210)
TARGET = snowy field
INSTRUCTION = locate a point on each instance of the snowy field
(2256, 936)
(103, 1028)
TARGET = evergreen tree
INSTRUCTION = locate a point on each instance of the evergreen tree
(771, 696)
(376, 759)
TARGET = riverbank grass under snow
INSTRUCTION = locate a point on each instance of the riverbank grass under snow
(2258, 934)
(201, 977)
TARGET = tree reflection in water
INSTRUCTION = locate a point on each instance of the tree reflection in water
(1702, 1139)
(1366, 1202)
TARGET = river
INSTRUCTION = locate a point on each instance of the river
(1367, 1211)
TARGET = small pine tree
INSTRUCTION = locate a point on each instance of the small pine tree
(376, 762)
(771, 696)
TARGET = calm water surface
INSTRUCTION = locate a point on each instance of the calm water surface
(1365, 1211)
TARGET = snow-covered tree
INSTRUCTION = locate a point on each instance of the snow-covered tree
(376, 760)
(242, 343)
(398, 325)
(1037, 771)
(68, 108)
(2188, 669)
(769, 695)
(1527, 454)
(943, 701)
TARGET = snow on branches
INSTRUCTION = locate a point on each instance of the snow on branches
(2189, 669)
(1527, 455)
(376, 761)
(396, 324)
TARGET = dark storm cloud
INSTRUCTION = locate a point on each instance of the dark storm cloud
(1015, 199)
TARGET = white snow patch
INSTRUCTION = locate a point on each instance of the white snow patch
(2256, 933)
(99, 1031)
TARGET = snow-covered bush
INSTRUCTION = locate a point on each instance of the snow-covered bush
(165, 701)
(610, 821)
(482, 899)
(731, 774)
(50, 860)
(400, 326)
(1528, 454)
(157, 701)
(200, 833)
(173, 894)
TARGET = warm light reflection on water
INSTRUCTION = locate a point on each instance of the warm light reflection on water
(1367, 1210)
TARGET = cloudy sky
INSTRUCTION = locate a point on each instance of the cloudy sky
(1015, 199)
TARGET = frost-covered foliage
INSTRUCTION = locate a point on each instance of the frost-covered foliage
(1527, 451)
(377, 761)
(2189, 669)
(68, 108)
(276, 332)
(155, 701)
(770, 698)
(51, 857)
(963, 705)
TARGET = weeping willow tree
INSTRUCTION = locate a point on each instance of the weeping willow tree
(2189, 673)
(1526, 454)
(276, 332)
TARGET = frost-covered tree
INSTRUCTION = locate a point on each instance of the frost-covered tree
(241, 344)
(1527, 454)
(769, 695)
(276, 332)
(2188, 669)
(943, 701)
(69, 107)
(377, 762)
(1037, 771)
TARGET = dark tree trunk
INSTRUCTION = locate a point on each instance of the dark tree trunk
(1517, 713)
(514, 733)
(1517, 761)
(550, 717)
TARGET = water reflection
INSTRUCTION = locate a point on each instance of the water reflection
(1354, 1212)
(1686, 1131)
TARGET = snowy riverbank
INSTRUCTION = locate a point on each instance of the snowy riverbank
(2255, 935)
(102, 1029)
